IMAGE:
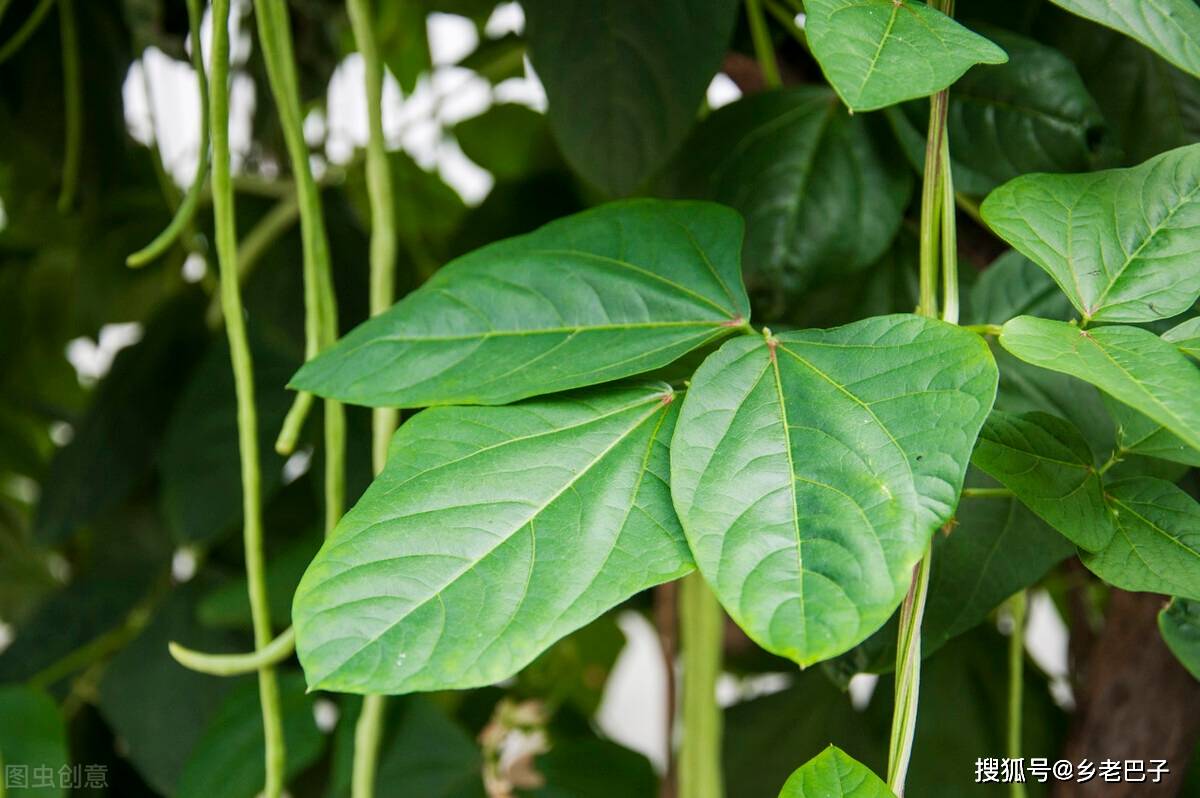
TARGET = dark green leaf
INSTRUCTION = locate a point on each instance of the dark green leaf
(1047, 463)
(1170, 28)
(401, 35)
(1137, 434)
(1179, 623)
(1130, 364)
(1013, 286)
(1118, 242)
(492, 533)
(201, 478)
(818, 198)
(604, 294)
(228, 759)
(834, 774)
(877, 53)
(811, 469)
(510, 141)
(1032, 114)
(1157, 545)
(625, 78)
(228, 606)
(33, 738)
(593, 768)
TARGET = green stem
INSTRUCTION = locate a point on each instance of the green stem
(764, 50)
(187, 208)
(987, 493)
(273, 653)
(1117, 455)
(225, 229)
(788, 20)
(1016, 681)
(984, 329)
(700, 623)
(908, 677)
(369, 730)
(27, 29)
(931, 202)
(275, 39)
(949, 239)
(73, 116)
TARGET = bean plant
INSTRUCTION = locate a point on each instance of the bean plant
(828, 381)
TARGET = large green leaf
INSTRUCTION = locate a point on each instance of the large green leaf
(818, 198)
(1179, 623)
(1186, 336)
(625, 78)
(33, 742)
(1170, 28)
(604, 294)
(1120, 243)
(228, 759)
(1157, 545)
(834, 774)
(1128, 363)
(877, 53)
(811, 469)
(1047, 463)
(492, 533)
(1031, 114)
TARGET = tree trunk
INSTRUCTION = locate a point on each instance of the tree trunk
(1137, 702)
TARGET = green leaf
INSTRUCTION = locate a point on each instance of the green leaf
(33, 738)
(158, 707)
(594, 768)
(625, 78)
(1157, 545)
(403, 42)
(1129, 364)
(509, 140)
(228, 759)
(1047, 463)
(601, 295)
(1186, 336)
(1137, 434)
(1119, 243)
(492, 533)
(1013, 285)
(228, 606)
(201, 479)
(1179, 623)
(877, 53)
(1131, 85)
(1031, 114)
(811, 470)
(834, 774)
(818, 198)
(1170, 28)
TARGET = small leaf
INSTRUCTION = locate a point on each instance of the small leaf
(625, 78)
(511, 141)
(1170, 28)
(228, 759)
(877, 53)
(810, 471)
(1046, 462)
(601, 295)
(1157, 545)
(492, 533)
(1128, 363)
(1186, 336)
(834, 774)
(32, 737)
(818, 197)
(1119, 243)
(1179, 624)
